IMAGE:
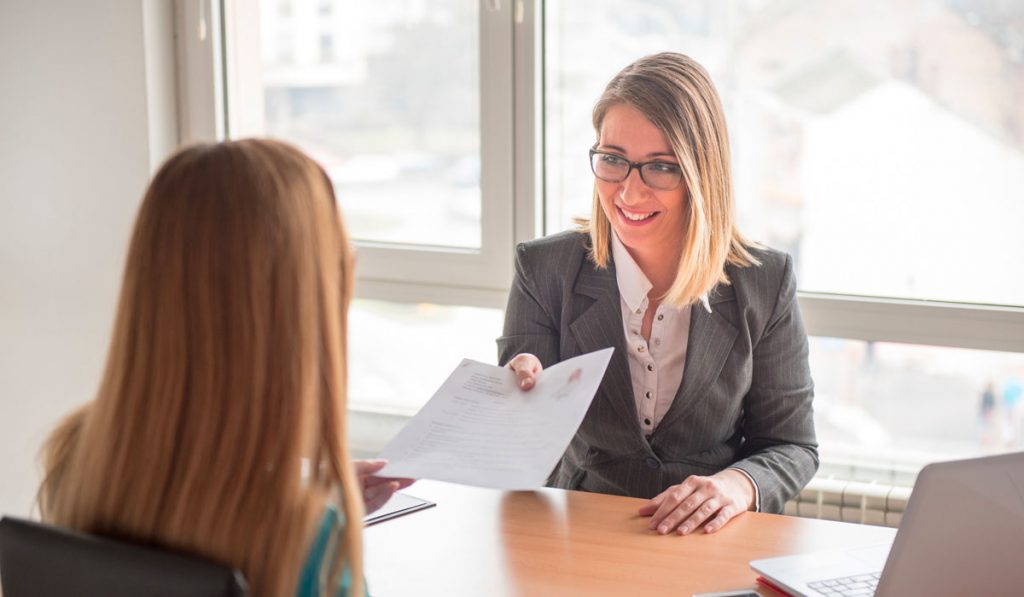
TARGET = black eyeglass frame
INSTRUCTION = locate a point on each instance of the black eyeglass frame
(638, 166)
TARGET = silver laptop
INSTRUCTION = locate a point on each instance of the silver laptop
(962, 534)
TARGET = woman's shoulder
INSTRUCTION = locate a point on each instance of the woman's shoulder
(764, 281)
(772, 262)
(309, 575)
(560, 244)
(556, 256)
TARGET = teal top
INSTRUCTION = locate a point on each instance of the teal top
(309, 577)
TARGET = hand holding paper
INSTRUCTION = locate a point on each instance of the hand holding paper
(376, 490)
(480, 429)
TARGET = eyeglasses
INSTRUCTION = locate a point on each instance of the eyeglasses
(610, 167)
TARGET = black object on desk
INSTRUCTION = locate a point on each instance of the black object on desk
(400, 504)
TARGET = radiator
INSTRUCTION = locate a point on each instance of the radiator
(865, 502)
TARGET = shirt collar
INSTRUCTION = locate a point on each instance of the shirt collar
(633, 284)
(704, 301)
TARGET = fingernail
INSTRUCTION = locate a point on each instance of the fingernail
(684, 530)
(663, 529)
(524, 384)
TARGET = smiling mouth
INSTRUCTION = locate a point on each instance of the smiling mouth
(637, 216)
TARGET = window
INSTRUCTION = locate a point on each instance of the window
(416, 135)
(401, 144)
(401, 353)
(889, 161)
(326, 48)
(880, 398)
(392, 99)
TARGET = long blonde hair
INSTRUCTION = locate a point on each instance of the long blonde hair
(226, 370)
(676, 94)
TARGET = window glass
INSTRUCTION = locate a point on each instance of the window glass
(880, 143)
(878, 398)
(401, 353)
(386, 96)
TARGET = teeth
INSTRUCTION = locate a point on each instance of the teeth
(636, 216)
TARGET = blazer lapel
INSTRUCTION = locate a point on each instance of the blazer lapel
(598, 326)
(709, 344)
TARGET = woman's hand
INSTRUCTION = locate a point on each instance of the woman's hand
(715, 500)
(526, 367)
(377, 490)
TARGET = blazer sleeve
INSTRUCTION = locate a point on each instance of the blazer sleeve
(780, 451)
(529, 324)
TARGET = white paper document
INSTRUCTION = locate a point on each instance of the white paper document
(480, 429)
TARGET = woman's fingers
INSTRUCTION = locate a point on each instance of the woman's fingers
(696, 518)
(526, 367)
(376, 490)
(368, 467)
(724, 515)
(378, 495)
(374, 481)
(365, 469)
(655, 502)
(709, 501)
(675, 497)
(673, 516)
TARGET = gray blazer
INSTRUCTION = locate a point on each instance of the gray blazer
(745, 399)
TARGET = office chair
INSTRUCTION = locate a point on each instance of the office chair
(40, 560)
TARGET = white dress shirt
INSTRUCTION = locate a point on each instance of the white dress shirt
(656, 368)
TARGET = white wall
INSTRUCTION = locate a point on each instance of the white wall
(86, 110)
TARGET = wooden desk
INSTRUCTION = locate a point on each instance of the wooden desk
(483, 542)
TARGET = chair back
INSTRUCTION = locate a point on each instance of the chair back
(41, 560)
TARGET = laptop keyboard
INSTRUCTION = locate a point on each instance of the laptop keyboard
(847, 586)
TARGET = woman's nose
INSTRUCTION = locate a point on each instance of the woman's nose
(633, 188)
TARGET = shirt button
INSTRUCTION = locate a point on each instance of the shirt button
(661, 316)
(639, 311)
(657, 341)
(647, 421)
(640, 348)
(652, 462)
(647, 395)
(650, 367)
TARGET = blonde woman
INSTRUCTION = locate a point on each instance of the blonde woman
(706, 404)
(219, 424)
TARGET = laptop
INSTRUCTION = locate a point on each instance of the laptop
(962, 534)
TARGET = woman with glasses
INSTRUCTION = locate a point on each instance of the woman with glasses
(706, 405)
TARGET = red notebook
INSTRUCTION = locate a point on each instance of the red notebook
(764, 581)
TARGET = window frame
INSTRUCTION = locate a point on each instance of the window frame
(201, 86)
(216, 78)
